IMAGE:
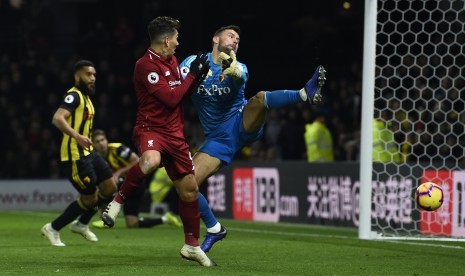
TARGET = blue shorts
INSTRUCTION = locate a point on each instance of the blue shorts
(228, 138)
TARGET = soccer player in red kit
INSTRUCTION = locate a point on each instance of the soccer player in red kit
(159, 130)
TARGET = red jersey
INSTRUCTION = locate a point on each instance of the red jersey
(160, 90)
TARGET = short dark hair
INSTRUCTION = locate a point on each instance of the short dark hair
(229, 27)
(162, 25)
(82, 63)
(97, 132)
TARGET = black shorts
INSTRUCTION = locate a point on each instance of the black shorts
(86, 173)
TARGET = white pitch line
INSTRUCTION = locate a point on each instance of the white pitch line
(339, 237)
(427, 244)
(286, 233)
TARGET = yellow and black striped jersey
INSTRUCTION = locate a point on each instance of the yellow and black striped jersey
(118, 155)
(81, 120)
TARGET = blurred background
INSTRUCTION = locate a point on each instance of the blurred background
(280, 44)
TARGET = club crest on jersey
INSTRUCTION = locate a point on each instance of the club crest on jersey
(150, 143)
(153, 77)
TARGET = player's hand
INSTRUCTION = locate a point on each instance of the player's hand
(200, 66)
(224, 60)
(84, 142)
(229, 64)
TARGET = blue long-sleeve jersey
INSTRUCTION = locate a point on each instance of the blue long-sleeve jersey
(219, 97)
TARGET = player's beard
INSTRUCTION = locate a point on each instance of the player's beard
(86, 88)
(223, 47)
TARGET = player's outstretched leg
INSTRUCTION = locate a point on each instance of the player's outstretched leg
(194, 253)
(110, 213)
(212, 238)
(314, 85)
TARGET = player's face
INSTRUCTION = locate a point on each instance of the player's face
(171, 43)
(229, 40)
(101, 144)
(86, 80)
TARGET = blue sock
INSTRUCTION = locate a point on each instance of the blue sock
(281, 98)
(206, 213)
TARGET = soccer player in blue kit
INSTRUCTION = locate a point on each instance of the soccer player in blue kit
(229, 121)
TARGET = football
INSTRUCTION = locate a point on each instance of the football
(429, 196)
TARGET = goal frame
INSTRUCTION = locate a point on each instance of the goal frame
(366, 153)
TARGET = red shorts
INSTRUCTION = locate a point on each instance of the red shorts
(175, 154)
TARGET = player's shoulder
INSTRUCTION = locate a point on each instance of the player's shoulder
(74, 90)
(122, 150)
(72, 96)
(242, 64)
(146, 64)
(115, 145)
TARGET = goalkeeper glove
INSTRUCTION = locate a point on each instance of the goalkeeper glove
(200, 66)
(229, 64)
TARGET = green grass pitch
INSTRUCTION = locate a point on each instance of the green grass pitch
(251, 248)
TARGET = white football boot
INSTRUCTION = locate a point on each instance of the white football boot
(194, 253)
(111, 212)
(52, 235)
(79, 228)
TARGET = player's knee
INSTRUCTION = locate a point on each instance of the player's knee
(132, 221)
(89, 201)
(149, 161)
(258, 98)
(108, 187)
(188, 189)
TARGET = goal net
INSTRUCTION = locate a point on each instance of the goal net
(419, 95)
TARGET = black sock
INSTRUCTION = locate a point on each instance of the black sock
(71, 213)
(149, 222)
(87, 215)
(101, 202)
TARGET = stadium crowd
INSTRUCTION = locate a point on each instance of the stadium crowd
(41, 39)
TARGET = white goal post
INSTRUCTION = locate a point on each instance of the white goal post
(413, 80)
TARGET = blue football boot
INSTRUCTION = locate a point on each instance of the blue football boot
(212, 238)
(314, 85)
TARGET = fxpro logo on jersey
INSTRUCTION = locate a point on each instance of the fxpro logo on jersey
(256, 194)
(213, 90)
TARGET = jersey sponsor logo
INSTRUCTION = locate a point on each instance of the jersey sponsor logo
(213, 90)
(153, 77)
(69, 99)
(150, 143)
(174, 83)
